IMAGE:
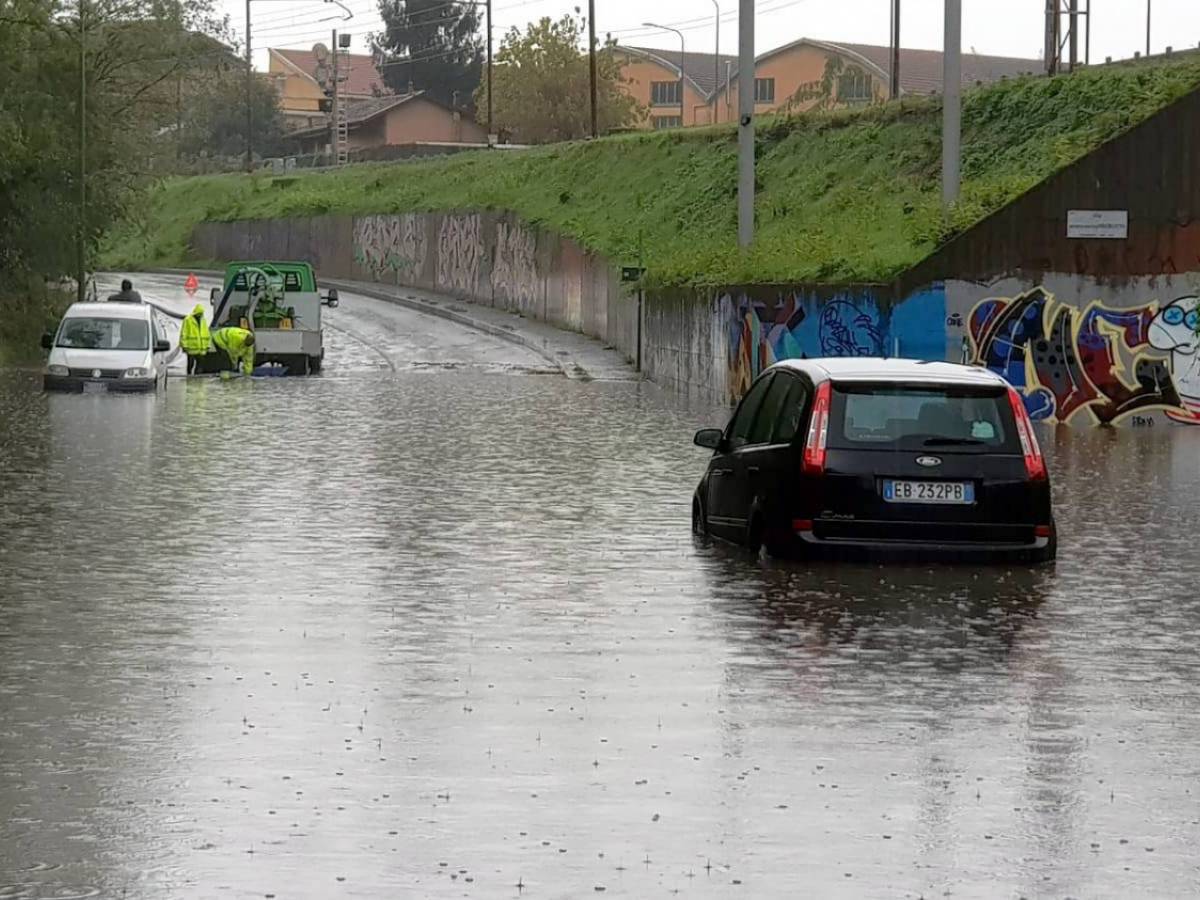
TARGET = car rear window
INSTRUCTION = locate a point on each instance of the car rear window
(105, 334)
(913, 418)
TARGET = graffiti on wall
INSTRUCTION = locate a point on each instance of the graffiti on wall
(1091, 364)
(460, 252)
(514, 270)
(797, 326)
(387, 244)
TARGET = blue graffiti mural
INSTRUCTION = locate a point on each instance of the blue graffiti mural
(847, 330)
(800, 325)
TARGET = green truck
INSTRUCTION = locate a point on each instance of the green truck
(280, 303)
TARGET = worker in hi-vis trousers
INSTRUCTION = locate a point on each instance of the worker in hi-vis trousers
(194, 338)
(237, 345)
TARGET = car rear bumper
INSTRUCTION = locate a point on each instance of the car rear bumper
(76, 384)
(960, 541)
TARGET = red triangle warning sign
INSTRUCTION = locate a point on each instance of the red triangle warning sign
(192, 283)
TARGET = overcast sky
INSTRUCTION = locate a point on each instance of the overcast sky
(999, 27)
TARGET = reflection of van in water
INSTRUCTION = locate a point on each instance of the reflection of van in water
(107, 346)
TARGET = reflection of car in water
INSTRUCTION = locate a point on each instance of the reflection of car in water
(107, 346)
(280, 303)
(885, 455)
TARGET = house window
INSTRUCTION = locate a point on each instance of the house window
(854, 86)
(665, 93)
(764, 90)
(660, 122)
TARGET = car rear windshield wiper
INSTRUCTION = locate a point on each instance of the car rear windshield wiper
(952, 442)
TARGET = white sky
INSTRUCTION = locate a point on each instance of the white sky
(1000, 27)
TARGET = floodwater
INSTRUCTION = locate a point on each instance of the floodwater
(432, 624)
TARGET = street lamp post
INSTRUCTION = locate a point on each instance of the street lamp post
(682, 53)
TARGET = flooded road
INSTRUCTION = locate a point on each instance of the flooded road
(410, 629)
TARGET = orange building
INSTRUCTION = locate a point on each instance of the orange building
(799, 76)
(301, 97)
(398, 120)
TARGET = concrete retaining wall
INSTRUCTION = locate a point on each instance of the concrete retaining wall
(1084, 351)
(488, 258)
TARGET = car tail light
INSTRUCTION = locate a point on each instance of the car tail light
(818, 431)
(1042, 531)
(1035, 464)
(799, 525)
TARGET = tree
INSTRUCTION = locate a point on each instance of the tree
(543, 85)
(130, 52)
(432, 45)
(213, 116)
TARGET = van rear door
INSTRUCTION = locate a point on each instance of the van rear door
(946, 455)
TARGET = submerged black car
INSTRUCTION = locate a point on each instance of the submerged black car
(853, 454)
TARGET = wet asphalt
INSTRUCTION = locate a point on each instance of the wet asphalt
(432, 624)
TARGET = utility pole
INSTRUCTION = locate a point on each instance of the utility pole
(1148, 21)
(335, 144)
(717, 60)
(894, 87)
(491, 127)
(1050, 54)
(745, 122)
(728, 99)
(81, 240)
(249, 97)
(1073, 8)
(592, 60)
(952, 104)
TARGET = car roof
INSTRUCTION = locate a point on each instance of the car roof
(113, 309)
(907, 371)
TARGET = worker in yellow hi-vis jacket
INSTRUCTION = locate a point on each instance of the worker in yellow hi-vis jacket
(237, 344)
(194, 338)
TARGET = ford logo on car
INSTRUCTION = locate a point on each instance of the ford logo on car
(929, 461)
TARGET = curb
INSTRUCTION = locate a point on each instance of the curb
(561, 360)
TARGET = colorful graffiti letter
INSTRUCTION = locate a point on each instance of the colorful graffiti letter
(1069, 361)
(1174, 331)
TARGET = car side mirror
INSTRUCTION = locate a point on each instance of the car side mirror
(331, 299)
(47, 341)
(161, 346)
(709, 438)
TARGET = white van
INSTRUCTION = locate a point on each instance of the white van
(107, 346)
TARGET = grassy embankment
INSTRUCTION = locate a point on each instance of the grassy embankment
(843, 196)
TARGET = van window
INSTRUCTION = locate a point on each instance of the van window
(888, 417)
(743, 419)
(105, 334)
(772, 406)
(792, 414)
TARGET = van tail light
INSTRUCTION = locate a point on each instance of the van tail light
(1035, 464)
(818, 431)
(1041, 531)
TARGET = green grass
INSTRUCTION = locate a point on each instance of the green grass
(843, 196)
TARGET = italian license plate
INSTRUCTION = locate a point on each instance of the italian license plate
(961, 492)
(94, 387)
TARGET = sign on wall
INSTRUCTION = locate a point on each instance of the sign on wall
(1098, 224)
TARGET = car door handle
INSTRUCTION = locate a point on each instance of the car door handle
(752, 470)
(721, 471)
